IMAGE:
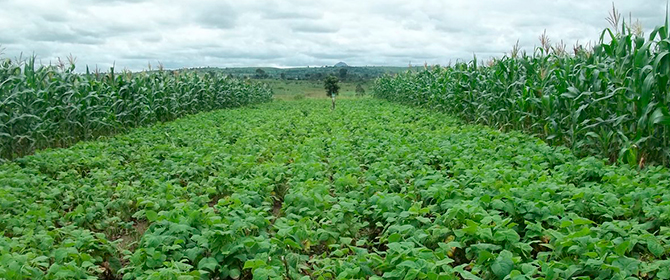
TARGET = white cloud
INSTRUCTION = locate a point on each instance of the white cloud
(132, 33)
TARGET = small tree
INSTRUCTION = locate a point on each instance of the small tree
(359, 90)
(332, 86)
(343, 73)
(260, 74)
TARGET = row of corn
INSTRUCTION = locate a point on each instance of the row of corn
(609, 100)
(54, 106)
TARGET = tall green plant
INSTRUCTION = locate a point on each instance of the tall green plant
(609, 100)
(52, 106)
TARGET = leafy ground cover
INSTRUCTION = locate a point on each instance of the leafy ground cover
(292, 190)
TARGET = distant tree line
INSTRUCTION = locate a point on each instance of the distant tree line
(318, 74)
(344, 74)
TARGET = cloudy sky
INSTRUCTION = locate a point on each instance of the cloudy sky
(181, 33)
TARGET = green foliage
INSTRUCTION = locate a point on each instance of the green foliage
(47, 106)
(358, 73)
(360, 91)
(260, 74)
(611, 100)
(331, 85)
(288, 89)
(291, 191)
(342, 73)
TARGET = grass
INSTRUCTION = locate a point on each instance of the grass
(298, 89)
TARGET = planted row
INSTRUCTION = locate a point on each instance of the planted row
(52, 106)
(610, 100)
(373, 190)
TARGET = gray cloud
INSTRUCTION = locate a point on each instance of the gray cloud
(111, 1)
(219, 15)
(133, 33)
(314, 27)
(69, 36)
(292, 15)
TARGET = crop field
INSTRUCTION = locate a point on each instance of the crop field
(609, 100)
(293, 190)
(54, 106)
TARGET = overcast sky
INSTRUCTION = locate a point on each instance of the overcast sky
(180, 33)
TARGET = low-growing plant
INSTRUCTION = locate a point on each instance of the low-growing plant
(290, 190)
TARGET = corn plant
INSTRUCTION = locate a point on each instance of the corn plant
(609, 100)
(53, 106)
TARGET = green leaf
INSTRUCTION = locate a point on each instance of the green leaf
(622, 248)
(151, 215)
(466, 274)
(664, 273)
(528, 268)
(485, 233)
(507, 234)
(397, 273)
(412, 273)
(565, 224)
(655, 248)
(60, 254)
(193, 253)
(423, 220)
(234, 273)
(253, 264)
(581, 221)
(338, 253)
(209, 264)
(408, 263)
(292, 243)
(503, 264)
(261, 274)
(660, 116)
(394, 238)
